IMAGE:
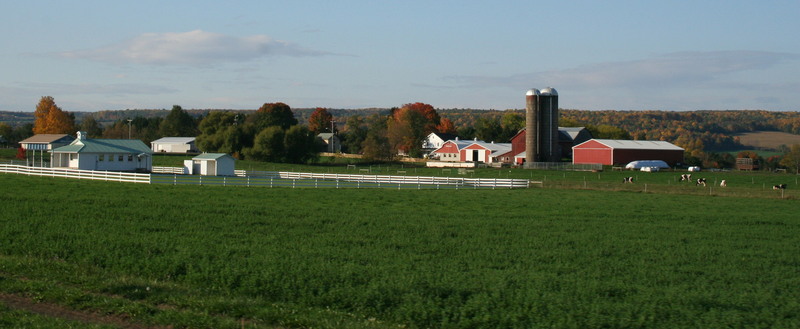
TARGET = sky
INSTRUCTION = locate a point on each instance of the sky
(599, 55)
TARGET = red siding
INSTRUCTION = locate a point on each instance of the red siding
(449, 148)
(592, 152)
(595, 152)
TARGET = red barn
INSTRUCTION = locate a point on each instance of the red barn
(620, 152)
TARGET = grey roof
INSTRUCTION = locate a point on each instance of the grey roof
(638, 145)
(325, 136)
(105, 146)
(46, 138)
(173, 140)
(211, 156)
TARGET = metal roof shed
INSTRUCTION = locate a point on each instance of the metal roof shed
(212, 164)
(174, 145)
(620, 152)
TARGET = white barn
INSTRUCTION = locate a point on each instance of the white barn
(174, 145)
(211, 164)
(103, 154)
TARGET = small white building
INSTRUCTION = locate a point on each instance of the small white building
(332, 142)
(436, 140)
(174, 145)
(103, 154)
(211, 164)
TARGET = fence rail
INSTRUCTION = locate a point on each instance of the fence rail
(168, 170)
(389, 179)
(278, 179)
(77, 173)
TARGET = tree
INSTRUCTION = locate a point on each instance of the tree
(355, 132)
(406, 130)
(376, 145)
(300, 144)
(320, 121)
(488, 129)
(91, 127)
(5, 131)
(511, 123)
(21, 153)
(178, 123)
(50, 119)
(272, 114)
(792, 159)
(220, 132)
(446, 126)
(608, 132)
(268, 145)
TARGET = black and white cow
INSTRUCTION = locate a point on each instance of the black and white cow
(686, 177)
(700, 181)
(779, 187)
(627, 180)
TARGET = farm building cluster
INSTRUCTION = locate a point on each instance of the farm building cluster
(541, 140)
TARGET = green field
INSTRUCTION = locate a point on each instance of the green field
(217, 257)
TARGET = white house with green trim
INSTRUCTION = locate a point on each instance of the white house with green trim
(103, 154)
(210, 164)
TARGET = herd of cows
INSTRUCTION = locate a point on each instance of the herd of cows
(702, 181)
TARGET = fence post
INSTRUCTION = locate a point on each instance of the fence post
(201, 180)
(270, 181)
(174, 179)
(293, 182)
(224, 181)
(248, 181)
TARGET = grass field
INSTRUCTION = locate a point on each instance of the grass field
(215, 257)
(768, 139)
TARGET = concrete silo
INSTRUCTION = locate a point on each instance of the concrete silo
(548, 122)
(541, 126)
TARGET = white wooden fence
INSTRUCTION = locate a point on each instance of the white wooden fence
(77, 173)
(388, 179)
(276, 179)
(168, 170)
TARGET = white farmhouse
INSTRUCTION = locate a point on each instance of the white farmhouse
(331, 141)
(103, 154)
(174, 145)
(210, 164)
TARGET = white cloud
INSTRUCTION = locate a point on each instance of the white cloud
(191, 48)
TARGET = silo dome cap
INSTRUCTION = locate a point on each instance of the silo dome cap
(549, 91)
(533, 92)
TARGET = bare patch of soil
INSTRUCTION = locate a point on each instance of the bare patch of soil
(61, 312)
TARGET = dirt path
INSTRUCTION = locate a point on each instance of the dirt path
(61, 312)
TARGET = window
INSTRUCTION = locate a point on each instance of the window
(120, 158)
(101, 157)
(111, 158)
(130, 157)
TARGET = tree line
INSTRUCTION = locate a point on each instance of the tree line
(274, 133)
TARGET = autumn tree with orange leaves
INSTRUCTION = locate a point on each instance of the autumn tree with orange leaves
(320, 121)
(50, 119)
(408, 126)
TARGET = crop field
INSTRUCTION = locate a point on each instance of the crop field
(217, 257)
(768, 139)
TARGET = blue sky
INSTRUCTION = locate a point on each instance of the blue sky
(621, 55)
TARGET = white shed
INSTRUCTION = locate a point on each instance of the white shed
(211, 164)
(174, 145)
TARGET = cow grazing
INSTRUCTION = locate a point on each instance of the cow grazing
(723, 183)
(627, 180)
(700, 181)
(686, 177)
(779, 187)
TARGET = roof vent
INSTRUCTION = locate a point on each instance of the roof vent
(82, 135)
